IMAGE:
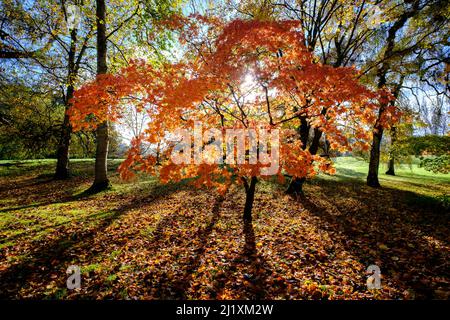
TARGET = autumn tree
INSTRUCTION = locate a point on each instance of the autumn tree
(387, 40)
(253, 76)
(413, 28)
(336, 31)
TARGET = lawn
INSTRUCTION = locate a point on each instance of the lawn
(144, 240)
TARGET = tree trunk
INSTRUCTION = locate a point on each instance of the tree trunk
(101, 181)
(102, 67)
(296, 184)
(377, 135)
(374, 163)
(372, 176)
(62, 154)
(391, 167)
(391, 163)
(249, 197)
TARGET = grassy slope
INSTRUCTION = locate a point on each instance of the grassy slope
(426, 186)
(408, 177)
(144, 240)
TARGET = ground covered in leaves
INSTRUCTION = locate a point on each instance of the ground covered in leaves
(144, 240)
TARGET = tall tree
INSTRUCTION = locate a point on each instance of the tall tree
(37, 33)
(424, 22)
(393, 131)
(73, 66)
(101, 181)
(62, 154)
(151, 12)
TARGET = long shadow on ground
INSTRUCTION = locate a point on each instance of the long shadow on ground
(54, 255)
(165, 288)
(382, 228)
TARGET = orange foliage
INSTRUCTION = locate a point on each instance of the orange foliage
(245, 74)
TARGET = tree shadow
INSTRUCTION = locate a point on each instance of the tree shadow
(25, 190)
(178, 285)
(350, 173)
(54, 255)
(255, 270)
(31, 182)
(58, 191)
(165, 288)
(51, 256)
(378, 227)
(64, 199)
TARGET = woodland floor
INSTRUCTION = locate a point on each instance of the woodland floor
(144, 240)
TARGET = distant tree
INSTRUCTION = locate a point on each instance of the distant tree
(37, 36)
(433, 151)
(29, 126)
(416, 27)
(393, 131)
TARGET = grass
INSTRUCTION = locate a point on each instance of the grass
(349, 167)
(426, 187)
(146, 240)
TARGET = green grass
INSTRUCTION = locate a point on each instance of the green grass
(45, 167)
(426, 188)
(413, 171)
(58, 203)
(37, 219)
